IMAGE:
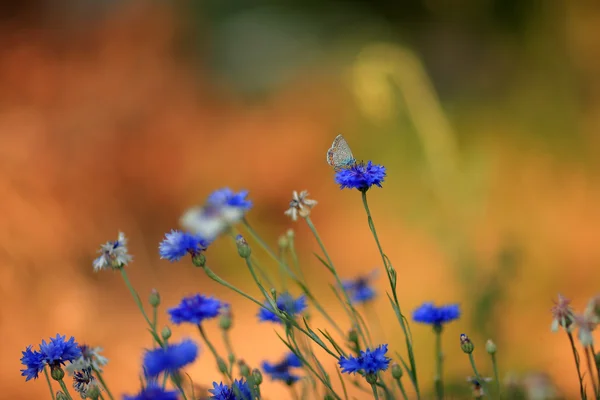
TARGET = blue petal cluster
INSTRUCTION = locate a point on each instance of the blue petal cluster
(368, 363)
(195, 309)
(360, 176)
(177, 244)
(428, 313)
(153, 391)
(224, 392)
(285, 302)
(281, 371)
(171, 358)
(227, 197)
(56, 352)
(359, 289)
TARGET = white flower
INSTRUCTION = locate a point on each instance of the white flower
(300, 205)
(113, 254)
(90, 358)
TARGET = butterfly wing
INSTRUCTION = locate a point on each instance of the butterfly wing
(340, 155)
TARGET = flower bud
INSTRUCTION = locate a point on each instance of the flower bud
(283, 242)
(199, 260)
(93, 392)
(242, 246)
(222, 366)
(225, 320)
(257, 376)
(61, 396)
(57, 372)
(397, 371)
(465, 344)
(490, 347)
(166, 333)
(371, 378)
(290, 234)
(244, 369)
(154, 298)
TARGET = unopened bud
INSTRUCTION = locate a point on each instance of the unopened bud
(283, 242)
(61, 396)
(199, 260)
(257, 376)
(154, 298)
(93, 392)
(244, 369)
(397, 371)
(490, 347)
(371, 378)
(465, 344)
(225, 320)
(166, 333)
(290, 234)
(242, 246)
(222, 366)
(57, 372)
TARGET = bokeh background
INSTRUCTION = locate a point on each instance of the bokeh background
(120, 115)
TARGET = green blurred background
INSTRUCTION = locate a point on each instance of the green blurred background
(120, 115)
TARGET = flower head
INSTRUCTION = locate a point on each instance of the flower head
(177, 244)
(280, 371)
(58, 350)
(195, 309)
(33, 362)
(171, 358)
(84, 381)
(370, 362)
(360, 176)
(359, 289)
(90, 357)
(477, 385)
(562, 314)
(428, 313)
(153, 391)
(593, 308)
(113, 254)
(586, 324)
(300, 205)
(285, 303)
(222, 209)
(224, 392)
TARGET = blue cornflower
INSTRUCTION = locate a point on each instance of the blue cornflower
(224, 392)
(34, 363)
(370, 362)
(195, 309)
(153, 391)
(170, 359)
(177, 244)
(359, 289)
(285, 302)
(58, 351)
(360, 176)
(113, 254)
(281, 371)
(227, 197)
(428, 313)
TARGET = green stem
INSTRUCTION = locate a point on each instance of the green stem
(295, 261)
(392, 281)
(582, 391)
(49, 383)
(176, 380)
(592, 375)
(374, 388)
(138, 302)
(477, 376)
(64, 389)
(497, 381)
(597, 367)
(439, 358)
(334, 272)
(219, 280)
(401, 386)
(213, 350)
(229, 348)
(101, 379)
(282, 272)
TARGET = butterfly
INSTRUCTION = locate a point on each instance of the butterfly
(340, 155)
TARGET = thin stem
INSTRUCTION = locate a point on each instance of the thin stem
(217, 279)
(592, 374)
(597, 366)
(439, 359)
(582, 391)
(229, 347)
(176, 379)
(295, 261)
(213, 350)
(101, 379)
(49, 383)
(64, 389)
(282, 272)
(479, 379)
(401, 386)
(392, 280)
(497, 382)
(375, 394)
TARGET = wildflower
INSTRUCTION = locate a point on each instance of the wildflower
(561, 313)
(428, 313)
(34, 363)
(281, 371)
(477, 385)
(113, 254)
(359, 289)
(360, 176)
(370, 362)
(465, 344)
(224, 392)
(195, 309)
(585, 323)
(593, 309)
(153, 391)
(90, 357)
(171, 358)
(177, 244)
(300, 205)
(285, 303)
(58, 351)
(242, 247)
(84, 382)
(222, 209)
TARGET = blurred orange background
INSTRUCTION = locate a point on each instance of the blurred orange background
(120, 116)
